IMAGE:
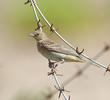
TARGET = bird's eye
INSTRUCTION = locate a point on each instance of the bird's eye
(37, 34)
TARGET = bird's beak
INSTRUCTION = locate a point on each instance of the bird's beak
(32, 34)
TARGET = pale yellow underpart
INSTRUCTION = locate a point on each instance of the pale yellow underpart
(55, 56)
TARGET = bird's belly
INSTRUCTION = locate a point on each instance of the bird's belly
(57, 56)
(52, 56)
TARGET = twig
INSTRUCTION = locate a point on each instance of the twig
(52, 72)
(34, 10)
(59, 86)
(33, 2)
(52, 66)
(70, 45)
(77, 74)
(74, 76)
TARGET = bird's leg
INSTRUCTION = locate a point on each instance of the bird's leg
(53, 65)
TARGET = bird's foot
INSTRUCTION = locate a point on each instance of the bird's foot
(52, 66)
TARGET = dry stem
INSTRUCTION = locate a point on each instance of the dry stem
(70, 45)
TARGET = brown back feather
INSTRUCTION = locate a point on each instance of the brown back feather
(52, 46)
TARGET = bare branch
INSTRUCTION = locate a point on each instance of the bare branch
(52, 66)
(34, 10)
(70, 45)
(77, 74)
(53, 72)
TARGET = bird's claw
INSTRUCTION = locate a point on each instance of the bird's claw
(52, 65)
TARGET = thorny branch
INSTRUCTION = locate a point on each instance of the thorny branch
(51, 65)
(34, 10)
(74, 76)
(52, 29)
(81, 71)
(70, 45)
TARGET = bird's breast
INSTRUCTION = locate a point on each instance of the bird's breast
(44, 51)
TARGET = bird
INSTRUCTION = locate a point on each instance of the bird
(52, 50)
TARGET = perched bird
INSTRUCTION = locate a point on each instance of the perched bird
(52, 50)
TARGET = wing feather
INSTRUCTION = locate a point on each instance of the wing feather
(52, 46)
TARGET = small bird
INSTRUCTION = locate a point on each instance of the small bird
(53, 51)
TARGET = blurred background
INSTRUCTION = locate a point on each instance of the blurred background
(23, 71)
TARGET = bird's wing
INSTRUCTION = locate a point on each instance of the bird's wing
(52, 46)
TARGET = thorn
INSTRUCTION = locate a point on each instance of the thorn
(26, 2)
(52, 29)
(61, 90)
(60, 94)
(39, 25)
(108, 69)
(79, 52)
(53, 71)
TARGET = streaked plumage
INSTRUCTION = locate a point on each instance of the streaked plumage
(54, 51)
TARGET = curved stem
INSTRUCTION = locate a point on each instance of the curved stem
(34, 10)
(59, 86)
(54, 75)
(70, 45)
(74, 76)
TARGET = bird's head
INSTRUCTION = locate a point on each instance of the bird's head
(38, 35)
